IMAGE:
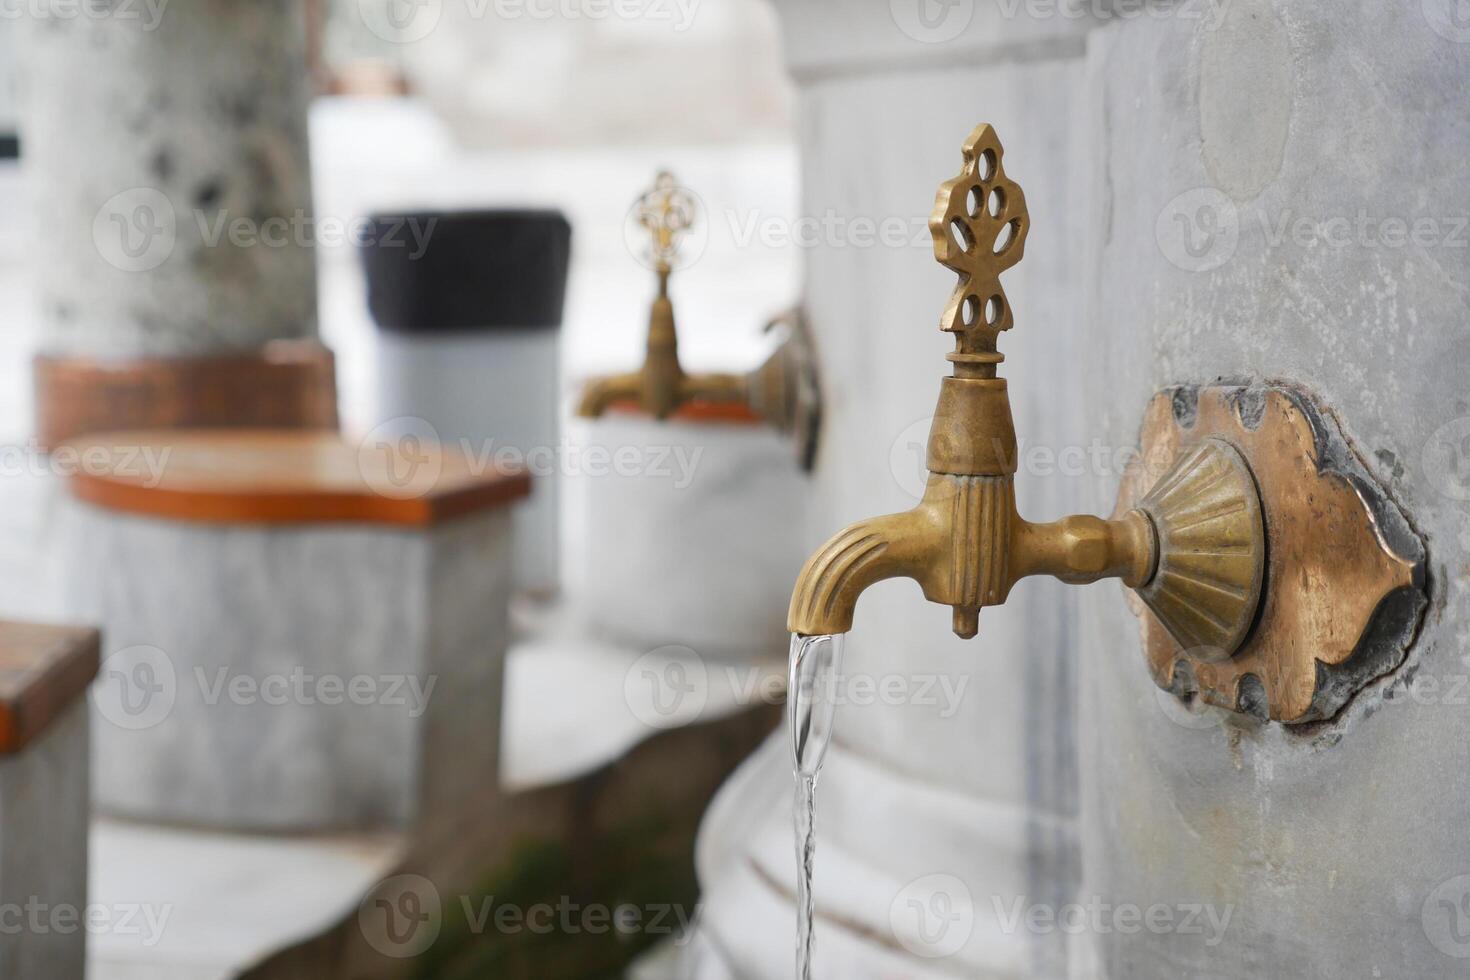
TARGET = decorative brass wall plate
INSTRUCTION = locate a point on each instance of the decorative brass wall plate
(1343, 589)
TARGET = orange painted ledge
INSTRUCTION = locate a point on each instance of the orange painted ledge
(287, 384)
(729, 413)
(43, 671)
(267, 476)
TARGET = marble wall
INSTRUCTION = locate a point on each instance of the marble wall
(1249, 179)
(1170, 153)
(968, 771)
(237, 692)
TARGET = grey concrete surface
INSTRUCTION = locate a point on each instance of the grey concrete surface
(165, 146)
(1248, 181)
(45, 802)
(689, 532)
(238, 692)
(968, 771)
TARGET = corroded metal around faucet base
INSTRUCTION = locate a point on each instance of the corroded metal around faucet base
(1344, 576)
(1274, 576)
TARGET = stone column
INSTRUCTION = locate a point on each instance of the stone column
(1282, 194)
(962, 784)
(311, 639)
(166, 154)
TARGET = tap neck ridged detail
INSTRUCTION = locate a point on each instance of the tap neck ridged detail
(979, 560)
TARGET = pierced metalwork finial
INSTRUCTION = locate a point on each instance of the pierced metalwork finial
(979, 225)
(667, 211)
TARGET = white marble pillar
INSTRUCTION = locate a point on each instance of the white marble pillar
(1283, 195)
(689, 532)
(955, 772)
(1255, 190)
(145, 126)
(323, 655)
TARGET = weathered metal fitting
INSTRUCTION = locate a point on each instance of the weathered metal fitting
(972, 433)
(912, 544)
(1212, 555)
(980, 512)
(783, 391)
(1082, 548)
(1289, 630)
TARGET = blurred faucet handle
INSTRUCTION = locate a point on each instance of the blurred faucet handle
(667, 210)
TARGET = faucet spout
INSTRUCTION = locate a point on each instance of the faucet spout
(601, 393)
(966, 546)
(859, 556)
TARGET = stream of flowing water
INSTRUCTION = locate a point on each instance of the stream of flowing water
(815, 661)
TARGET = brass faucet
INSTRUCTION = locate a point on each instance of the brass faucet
(1193, 548)
(660, 387)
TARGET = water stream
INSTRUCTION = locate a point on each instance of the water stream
(815, 661)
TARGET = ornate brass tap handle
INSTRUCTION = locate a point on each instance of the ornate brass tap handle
(979, 226)
(667, 212)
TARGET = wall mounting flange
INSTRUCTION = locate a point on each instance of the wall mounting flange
(1210, 548)
(1343, 589)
